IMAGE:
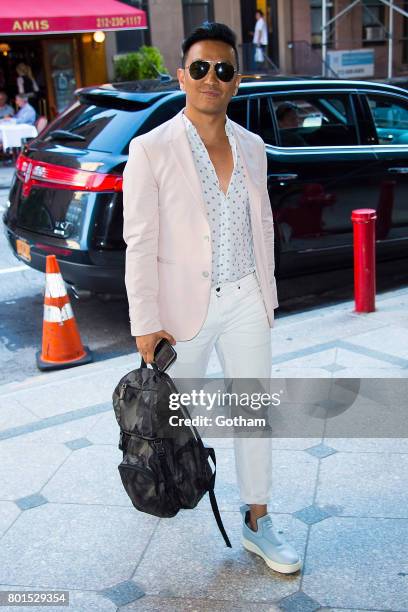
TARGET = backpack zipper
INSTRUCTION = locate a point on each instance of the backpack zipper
(122, 392)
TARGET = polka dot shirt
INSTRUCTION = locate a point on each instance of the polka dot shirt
(228, 215)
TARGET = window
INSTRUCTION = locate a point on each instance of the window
(195, 12)
(162, 113)
(237, 111)
(405, 35)
(312, 120)
(101, 128)
(390, 118)
(131, 40)
(373, 21)
(266, 128)
(316, 22)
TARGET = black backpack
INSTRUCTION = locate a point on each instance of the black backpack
(164, 468)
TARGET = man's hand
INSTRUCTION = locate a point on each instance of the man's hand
(147, 343)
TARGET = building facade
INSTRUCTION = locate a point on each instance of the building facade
(48, 52)
(295, 37)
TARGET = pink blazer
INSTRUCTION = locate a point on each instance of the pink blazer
(168, 255)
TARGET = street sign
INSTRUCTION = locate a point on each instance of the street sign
(350, 64)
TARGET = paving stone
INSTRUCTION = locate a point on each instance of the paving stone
(369, 445)
(291, 369)
(385, 372)
(320, 328)
(365, 418)
(12, 413)
(74, 546)
(365, 484)
(78, 443)
(298, 419)
(106, 430)
(299, 444)
(289, 492)
(187, 558)
(333, 367)
(319, 359)
(66, 395)
(89, 476)
(299, 602)
(219, 442)
(356, 562)
(390, 339)
(321, 451)
(347, 610)
(311, 514)
(31, 501)
(123, 593)
(69, 430)
(346, 358)
(167, 604)
(8, 514)
(26, 466)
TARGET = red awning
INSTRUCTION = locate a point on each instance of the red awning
(60, 16)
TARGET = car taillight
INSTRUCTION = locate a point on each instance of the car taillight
(52, 249)
(33, 172)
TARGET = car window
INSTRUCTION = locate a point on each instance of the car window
(266, 128)
(101, 128)
(390, 117)
(237, 111)
(310, 120)
(162, 113)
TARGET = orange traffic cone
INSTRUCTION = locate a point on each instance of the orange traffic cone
(61, 342)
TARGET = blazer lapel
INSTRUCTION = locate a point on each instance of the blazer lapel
(181, 150)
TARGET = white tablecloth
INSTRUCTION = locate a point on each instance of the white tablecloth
(11, 135)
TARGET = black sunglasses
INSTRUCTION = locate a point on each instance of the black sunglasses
(224, 70)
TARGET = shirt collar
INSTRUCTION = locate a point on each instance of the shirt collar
(193, 132)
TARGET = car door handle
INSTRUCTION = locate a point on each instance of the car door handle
(283, 177)
(398, 170)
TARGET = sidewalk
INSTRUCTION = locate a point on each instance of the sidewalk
(65, 520)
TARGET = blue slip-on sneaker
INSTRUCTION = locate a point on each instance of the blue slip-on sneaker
(278, 554)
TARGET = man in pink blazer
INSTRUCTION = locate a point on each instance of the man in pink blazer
(200, 254)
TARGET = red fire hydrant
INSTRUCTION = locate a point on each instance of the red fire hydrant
(363, 220)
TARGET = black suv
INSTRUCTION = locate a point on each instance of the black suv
(332, 145)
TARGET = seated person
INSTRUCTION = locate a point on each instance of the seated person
(287, 114)
(26, 113)
(5, 109)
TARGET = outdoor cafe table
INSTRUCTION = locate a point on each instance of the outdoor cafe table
(11, 134)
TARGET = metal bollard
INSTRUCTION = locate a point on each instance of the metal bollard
(363, 220)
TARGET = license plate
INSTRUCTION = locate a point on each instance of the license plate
(23, 249)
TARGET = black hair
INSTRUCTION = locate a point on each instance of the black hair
(260, 12)
(210, 30)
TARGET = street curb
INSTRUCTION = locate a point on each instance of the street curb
(127, 362)
(132, 360)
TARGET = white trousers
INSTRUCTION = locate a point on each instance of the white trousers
(237, 325)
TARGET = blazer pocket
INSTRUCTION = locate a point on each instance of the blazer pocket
(165, 260)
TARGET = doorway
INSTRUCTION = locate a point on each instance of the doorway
(27, 51)
(62, 72)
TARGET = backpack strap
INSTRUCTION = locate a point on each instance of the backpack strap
(213, 500)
